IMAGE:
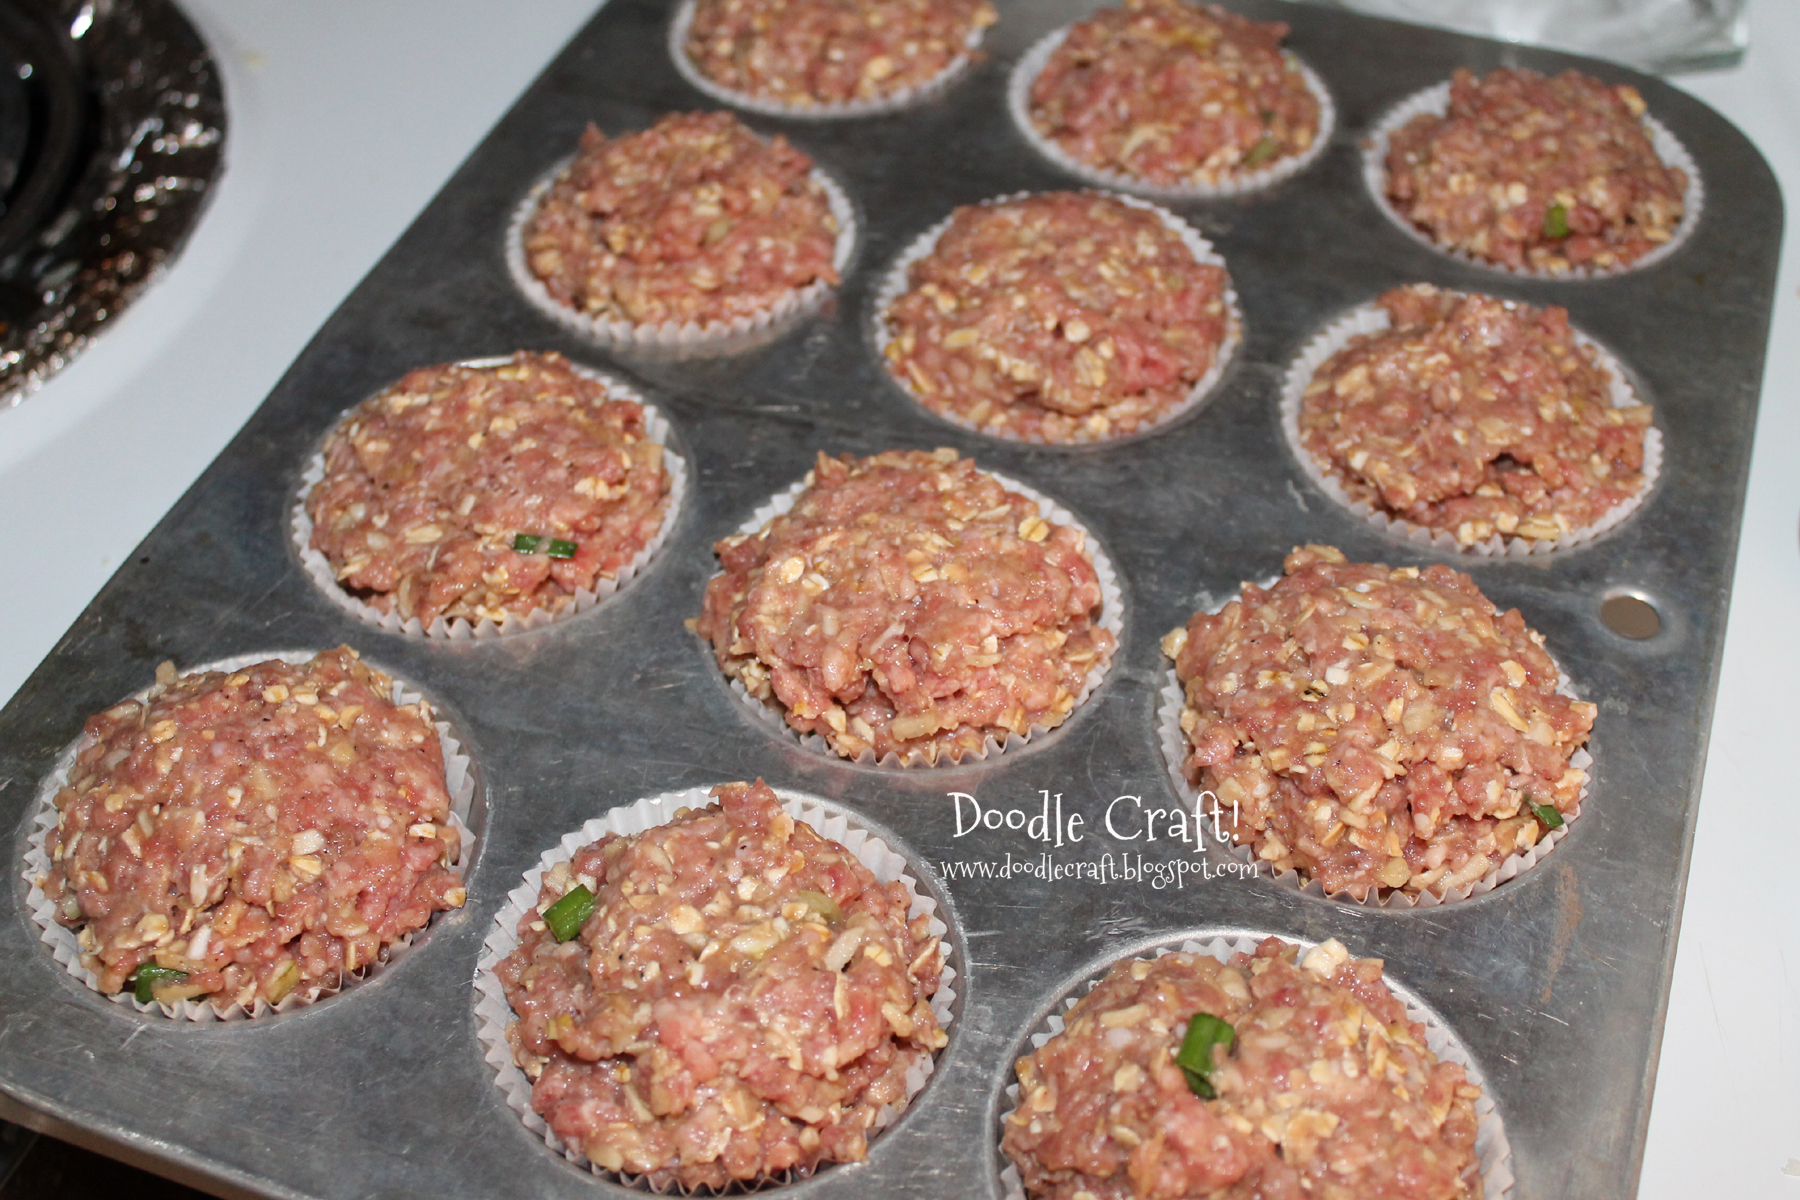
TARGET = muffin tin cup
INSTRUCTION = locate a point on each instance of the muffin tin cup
(1111, 620)
(902, 98)
(1018, 103)
(895, 284)
(1371, 318)
(672, 337)
(1435, 101)
(459, 779)
(1492, 1149)
(493, 1014)
(1172, 698)
(318, 568)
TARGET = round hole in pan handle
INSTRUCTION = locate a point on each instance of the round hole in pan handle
(1630, 616)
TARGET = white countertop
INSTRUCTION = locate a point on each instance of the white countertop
(346, 117)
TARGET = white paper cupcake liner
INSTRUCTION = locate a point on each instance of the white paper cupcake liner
(894, 284)
(1171, 699)
(1371, 318)
(1111, 620)
(1492, 1149)
(903, 98)
(458, 778)
(672, 336)
(493, 1014)
(318, 568)
(1018, 102)
(1435, 100)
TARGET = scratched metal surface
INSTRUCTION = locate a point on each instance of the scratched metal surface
(1557, 981)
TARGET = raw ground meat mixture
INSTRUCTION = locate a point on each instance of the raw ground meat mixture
(1175, 93)
(1328, 1091)
(694, 220)
(807, 52)
(266, 830)
(744, 1000)
(908, 604)
(1376, 728)
(1535, 172)
(1474, 415)
(1057, 317)
(428, 484)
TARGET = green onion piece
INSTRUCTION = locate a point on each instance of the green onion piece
(526, 543)
(1547, 813)
(566, 917)
(822, 904)
(1195, 1057)
(1263, 151)
(148, 976)
(561, 549)
(1556, 221)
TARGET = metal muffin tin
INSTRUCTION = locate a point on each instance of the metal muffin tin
(1557, 981)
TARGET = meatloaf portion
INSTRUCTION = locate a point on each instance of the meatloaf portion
(1175, 93)
(1474, 416)
(908, 604)
(1534, 172)
(743, 1000)
(489, 492)
(1326, 1088)
(811, 52)
(248, 834)
(1058, 317)
(1375, 728)
(694, 220)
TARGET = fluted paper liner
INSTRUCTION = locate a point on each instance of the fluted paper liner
(1111, 619)
(893, 101)
(831, 821)
(1435, 100)
(1018, 102)
(459, 781)
(1372, 318)
(673, 336)
(319, 569)
(1171, 699)
(1493, 1152)
(895, 284)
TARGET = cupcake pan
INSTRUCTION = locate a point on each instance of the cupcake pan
(1556, 981)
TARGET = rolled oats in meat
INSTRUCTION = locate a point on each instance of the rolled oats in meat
(909, 604)
(1535, 172)
(1474, 416)
(1058, 317)
(1175, 93)
(487, 492)
(743, 1001)
(694, 220)
(823, 52)
(253, 833)
(1377, 729)
(1327, 1088)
